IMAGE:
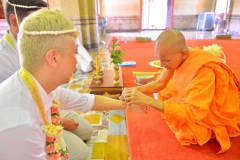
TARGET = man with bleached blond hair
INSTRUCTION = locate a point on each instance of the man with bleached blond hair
(29, 99)
(76, 128)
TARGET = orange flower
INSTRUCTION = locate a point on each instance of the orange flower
(49, 139)
(54, 110)
(51, 148)
(54, 156)
(56, 120)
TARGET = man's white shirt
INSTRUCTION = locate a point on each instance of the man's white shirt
(9, 58)
(21, 135)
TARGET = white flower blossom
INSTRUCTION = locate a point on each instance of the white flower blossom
(214, 49)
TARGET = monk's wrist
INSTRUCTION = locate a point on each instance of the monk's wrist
(158, 104)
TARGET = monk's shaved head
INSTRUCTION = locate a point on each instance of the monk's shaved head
(171, 49)
(171, 40)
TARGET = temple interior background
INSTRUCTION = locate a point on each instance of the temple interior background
(96, 18)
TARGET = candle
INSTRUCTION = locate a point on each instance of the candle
(97, 62)
(99, 58)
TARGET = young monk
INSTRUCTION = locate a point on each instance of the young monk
(198, 93)
(30, 125)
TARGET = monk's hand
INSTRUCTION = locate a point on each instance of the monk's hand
(135, 97)
(122, 97)
(69, 124)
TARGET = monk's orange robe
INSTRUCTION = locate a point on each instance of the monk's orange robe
(203, 101)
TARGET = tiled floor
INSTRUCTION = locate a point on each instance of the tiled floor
(130, 36)
(189, 34)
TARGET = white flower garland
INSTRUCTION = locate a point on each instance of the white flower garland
(39, 33)
(22, 6)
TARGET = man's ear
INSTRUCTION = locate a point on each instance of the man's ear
(13, 20)
(52, 57)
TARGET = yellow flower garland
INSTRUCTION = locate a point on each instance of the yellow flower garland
(51, 130)
(55, 145)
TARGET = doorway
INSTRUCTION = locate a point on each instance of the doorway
(222, 16)
(154, 14)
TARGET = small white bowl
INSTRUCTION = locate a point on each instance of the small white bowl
(144, 79)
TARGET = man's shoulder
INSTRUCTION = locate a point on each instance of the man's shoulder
(12, 86)
(5, 49)
(59, 90)
(9, 62)
(7, 68)
(3, 43)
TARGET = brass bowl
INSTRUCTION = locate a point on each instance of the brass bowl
(143, 79)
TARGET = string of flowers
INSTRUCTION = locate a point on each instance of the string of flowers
(55, 144)
(114, 49)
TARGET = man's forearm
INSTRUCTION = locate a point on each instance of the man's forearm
(105, 103)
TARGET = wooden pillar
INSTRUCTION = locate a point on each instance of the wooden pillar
(1, 10)
(88, 24)
(93, 23)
